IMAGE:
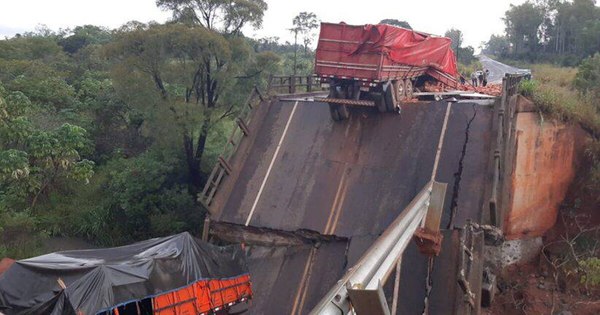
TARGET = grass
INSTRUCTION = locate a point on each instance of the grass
(553, 93)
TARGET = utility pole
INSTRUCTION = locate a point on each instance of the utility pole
(295, 48)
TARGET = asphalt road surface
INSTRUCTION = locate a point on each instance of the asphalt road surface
(351, 179)
(498, 69)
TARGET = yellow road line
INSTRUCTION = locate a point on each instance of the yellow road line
(312, 259)
(303, 281)
(339, 208)
(335, 201)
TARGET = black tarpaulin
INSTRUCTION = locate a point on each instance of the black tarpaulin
(102, 278)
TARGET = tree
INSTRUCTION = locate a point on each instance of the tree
(456, 36)
(395, 22)
(587, 80)
(523, 23)
(83, 36)
(33, 159)
(497, 45)
(190, 68)
(227, 16)
(304, 23)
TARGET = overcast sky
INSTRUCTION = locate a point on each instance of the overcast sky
(478, 19)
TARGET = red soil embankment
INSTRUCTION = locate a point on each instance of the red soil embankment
(544, 156)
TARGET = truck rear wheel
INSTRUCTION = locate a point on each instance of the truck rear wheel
(335, 115)
(408, 86)
(338, 112)
(389, 92)
(400, 88)
(379, 99)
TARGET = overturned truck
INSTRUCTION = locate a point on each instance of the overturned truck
(164, 276)
(379, 65)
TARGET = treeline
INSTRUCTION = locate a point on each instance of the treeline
(108, 135)
(558, 31)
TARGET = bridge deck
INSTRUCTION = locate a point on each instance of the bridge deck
(349, 179)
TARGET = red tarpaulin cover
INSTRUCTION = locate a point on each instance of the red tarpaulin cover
(409, 47)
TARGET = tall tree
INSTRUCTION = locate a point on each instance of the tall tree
(497, 45)
(190, 69)
(303, 24)
(306, 22)
(456, 36)
(523, 24)
(227, 16)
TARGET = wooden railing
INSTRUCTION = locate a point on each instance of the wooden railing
(290, 84)
(223, 166)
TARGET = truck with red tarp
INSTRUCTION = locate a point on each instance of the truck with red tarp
(379, 65)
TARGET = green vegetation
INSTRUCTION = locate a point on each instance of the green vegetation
(554, 92)
(555, 31)
(591, 270)
(108, 135)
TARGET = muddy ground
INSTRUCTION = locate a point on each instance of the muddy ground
(551, 283)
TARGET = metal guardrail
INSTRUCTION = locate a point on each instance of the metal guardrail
(360, 290)
(223, 166)
(510, 86)
(289, 84)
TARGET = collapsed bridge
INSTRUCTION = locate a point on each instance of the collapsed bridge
(290, 169)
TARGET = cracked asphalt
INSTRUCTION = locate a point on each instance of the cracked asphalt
(350, 179)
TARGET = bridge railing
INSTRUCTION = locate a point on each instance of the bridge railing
(505, 112)
(241, 130)
(360, 290)
(290, 84)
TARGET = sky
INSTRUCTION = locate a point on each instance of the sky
(477, 19)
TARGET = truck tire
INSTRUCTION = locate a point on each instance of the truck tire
(343, 111)
(338, 112)
(400, 88)
(409, 88)
(389, 93)
(333, 110)
(379, 102)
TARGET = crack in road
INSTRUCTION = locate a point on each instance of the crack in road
(458, 174)
(453, 209)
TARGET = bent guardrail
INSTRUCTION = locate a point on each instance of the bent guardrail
(360, 289)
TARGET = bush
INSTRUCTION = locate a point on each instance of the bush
(140, 198)
(20, 235)
(527, 87)
(554, 95)
(587, 80)
(591, 271)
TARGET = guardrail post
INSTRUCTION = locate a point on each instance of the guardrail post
(292, 84)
